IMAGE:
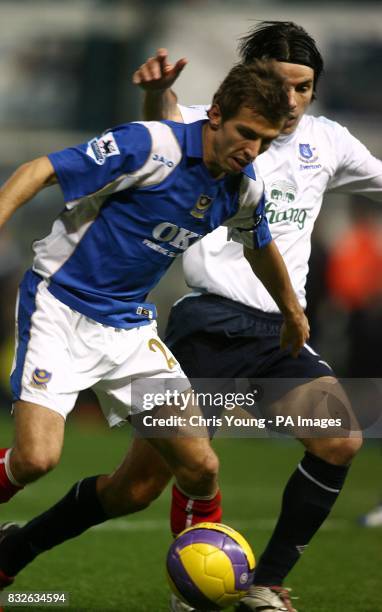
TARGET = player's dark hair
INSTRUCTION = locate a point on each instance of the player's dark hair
(255, 85)
(283, 41)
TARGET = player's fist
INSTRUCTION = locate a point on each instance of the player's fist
(294, 333)
(157, 73)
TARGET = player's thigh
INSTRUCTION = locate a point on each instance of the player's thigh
(144, 371)
(320, 397)
(137, 481)
(45, 371)
(323, 398)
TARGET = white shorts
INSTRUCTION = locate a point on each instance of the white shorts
(60, 352)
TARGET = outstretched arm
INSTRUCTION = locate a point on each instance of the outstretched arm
(156, 77)
(269, 267)
(25, 183)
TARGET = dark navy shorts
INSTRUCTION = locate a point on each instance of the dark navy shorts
(214, 337)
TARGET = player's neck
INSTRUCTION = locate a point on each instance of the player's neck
(209, 155)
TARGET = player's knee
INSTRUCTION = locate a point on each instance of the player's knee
(30, 465)
(338, 451)
(348, 448)
(201, 474)
(211, 466)
(205, 468)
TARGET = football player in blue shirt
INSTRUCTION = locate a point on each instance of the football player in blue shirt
(135, 198)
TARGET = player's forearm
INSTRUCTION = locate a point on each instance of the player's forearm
(269, 267)
(25, 183)
(161, 104)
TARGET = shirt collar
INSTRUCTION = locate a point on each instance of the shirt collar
(249, 171)
(194, 139)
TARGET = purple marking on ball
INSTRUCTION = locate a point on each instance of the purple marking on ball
(243, 577)
(220, 540)
(202, 536)
(186, 587)
(233, 550)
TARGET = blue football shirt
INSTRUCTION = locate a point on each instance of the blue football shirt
(135, 198)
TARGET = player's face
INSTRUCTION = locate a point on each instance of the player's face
(299, 81)
(239, 140)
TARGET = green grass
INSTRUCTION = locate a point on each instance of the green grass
(121, 566)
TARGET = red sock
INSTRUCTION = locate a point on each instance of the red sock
(186, 511)
(4, 581)
(7, 488)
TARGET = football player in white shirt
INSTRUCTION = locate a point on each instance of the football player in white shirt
(228, 325)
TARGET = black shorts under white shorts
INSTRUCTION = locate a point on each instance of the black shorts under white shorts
(214, 337)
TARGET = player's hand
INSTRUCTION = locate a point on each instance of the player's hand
(294, 333)
(157, 73)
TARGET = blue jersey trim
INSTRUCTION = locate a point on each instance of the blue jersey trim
(250, 171)
(136, 314)
(262, 234)
(26, 308)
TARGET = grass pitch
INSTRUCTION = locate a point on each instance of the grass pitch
(120, 566)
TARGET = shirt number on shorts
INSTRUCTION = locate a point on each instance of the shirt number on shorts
(154, 344)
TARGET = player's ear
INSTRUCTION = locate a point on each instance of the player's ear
(215, 117)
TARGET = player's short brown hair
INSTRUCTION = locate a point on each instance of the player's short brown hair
(255, 85)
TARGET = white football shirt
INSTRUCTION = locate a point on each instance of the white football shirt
(319, 156)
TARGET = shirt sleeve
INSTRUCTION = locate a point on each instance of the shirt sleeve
(193, 113)
(105, 163)
(249, 226)
(358, 171)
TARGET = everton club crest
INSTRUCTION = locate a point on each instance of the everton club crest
(307, 153)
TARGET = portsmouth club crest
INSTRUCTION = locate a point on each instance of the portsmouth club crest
(307, 153)
(201, 206)
(40, 378)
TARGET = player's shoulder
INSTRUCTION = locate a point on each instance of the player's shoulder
(167, 139)
(321, 125)
(126, 137)
(159, 131)
(169, 143)
(328, 136)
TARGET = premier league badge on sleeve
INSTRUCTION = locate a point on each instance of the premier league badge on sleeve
(101, 148)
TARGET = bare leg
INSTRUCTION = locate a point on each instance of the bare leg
(39, 436)
(141, 477)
